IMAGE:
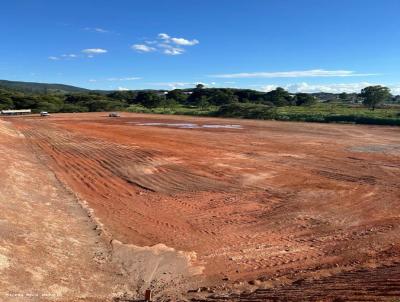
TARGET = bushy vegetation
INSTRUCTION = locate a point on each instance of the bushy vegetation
(368, 107)
(340, 113)
(322, 112)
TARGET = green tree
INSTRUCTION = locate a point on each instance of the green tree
(305, 99)
(222, 97)
(279, 97)
(83, 98)
(343, 96)
(6, 102)
(196, 95)
(151, 99)
(178, 95)
(203, 103)
(375, 95)
(169, 103)
(172, 104)
(46, 106)
(50, 103)
(125, 96)
(24, 102)
(74, 108)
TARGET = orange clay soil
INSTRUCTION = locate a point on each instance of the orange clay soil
(267, 202)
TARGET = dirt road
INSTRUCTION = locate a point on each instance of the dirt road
(268, 203)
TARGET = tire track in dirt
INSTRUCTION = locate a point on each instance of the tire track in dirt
(382, 284)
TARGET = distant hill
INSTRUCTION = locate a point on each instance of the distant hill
(31, 87)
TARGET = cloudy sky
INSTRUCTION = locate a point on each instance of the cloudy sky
(301, 45)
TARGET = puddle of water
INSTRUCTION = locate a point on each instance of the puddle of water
(223, 126)
(189, 125)
(178, 125)
(376, 148)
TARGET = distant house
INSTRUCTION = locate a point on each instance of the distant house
(16, 112)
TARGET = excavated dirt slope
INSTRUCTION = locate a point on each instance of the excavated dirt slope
(260, 208)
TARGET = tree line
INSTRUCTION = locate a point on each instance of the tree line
(200, 97)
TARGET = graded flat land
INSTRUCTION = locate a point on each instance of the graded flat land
(294, 208)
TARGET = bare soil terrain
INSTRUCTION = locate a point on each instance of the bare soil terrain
(244, 210)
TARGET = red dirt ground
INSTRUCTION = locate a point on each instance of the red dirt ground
(270, 203)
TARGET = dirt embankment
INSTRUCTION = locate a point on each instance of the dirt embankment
(46, 238)
(254, 201)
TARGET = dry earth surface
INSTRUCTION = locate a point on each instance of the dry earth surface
(225, 209)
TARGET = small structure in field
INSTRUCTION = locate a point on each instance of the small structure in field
(113, 114)
(16, 112)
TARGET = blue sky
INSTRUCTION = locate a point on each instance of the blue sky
(301, 45)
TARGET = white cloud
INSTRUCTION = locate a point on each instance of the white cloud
(89, 53)
(174, 51)
(176, 85)
(173, 85)
(330, 88)
(116, 79)
(122, 89)
(63, 57)
(165, 44)
(184, 42)
(205, 84)
(94, 51)
(142, 48)
(178, 41)
(164, 36)
(268, 88)
(170, 49)
(395, 89)
(101, 30)
(97, 29)
(124, 79)
(69, 56)
(294, 74)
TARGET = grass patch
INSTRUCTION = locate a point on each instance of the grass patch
(322, 112)
(179, 109)
(339, 113)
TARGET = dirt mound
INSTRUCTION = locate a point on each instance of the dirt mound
(159, 268)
